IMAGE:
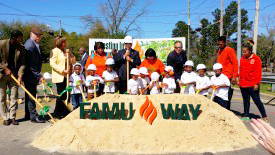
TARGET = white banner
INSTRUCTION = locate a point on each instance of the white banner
(162, 46)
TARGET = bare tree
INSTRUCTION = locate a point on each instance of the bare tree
(120, 16)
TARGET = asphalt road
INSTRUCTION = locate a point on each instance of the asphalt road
(15, 140)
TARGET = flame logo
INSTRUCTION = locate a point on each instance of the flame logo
(148, 111)
(139, 49)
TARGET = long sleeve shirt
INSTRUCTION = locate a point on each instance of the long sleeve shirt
(250, 71)
(227, 57)
(74, 78)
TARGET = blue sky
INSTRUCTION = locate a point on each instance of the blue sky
(157, 23)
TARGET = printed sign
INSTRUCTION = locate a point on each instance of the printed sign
(162, 46)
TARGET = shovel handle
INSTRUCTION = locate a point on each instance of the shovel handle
(35, 100)
(83, 96)
(94, 89)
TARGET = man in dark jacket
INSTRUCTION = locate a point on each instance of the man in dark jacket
(83, 57)
(124, 55)
(12, 61)
(32, 74)
(176, 59)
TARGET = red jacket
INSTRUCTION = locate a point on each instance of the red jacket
(227, 57)
(250, 71)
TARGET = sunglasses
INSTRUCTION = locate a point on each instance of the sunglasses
(178, 47)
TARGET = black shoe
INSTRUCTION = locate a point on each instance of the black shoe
(7, 122)
(37, 120)
(14, 122)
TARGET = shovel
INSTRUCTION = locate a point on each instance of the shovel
(94, 89)
(214, 89)
(182, 88)
(47, 99)
(162, 86)
(107, 87)
(198, 91)
(66, 102)
(83, 96)
(35, 100)
(8, 92)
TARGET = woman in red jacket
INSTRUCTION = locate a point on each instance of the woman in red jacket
(250, 79)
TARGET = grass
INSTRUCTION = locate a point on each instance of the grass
(46, 68)
(266, 88)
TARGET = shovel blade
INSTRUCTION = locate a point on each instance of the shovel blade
(69, 105)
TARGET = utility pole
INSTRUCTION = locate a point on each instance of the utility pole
(188, 44)
(256, 23)
(60, 29)
(239, 32)
(221, 19)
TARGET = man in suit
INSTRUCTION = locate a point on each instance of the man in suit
(177, 59)
(124, 55)
(84, 56)
(32, 74)
(12, 54)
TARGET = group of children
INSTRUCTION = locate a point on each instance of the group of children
(142, 84)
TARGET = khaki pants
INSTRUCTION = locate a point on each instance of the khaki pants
(8, 111)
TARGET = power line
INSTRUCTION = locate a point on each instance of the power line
(37, 16)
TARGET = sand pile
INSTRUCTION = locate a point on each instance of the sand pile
(215, 130)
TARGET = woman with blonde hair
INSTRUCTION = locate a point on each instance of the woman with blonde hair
(59, 72)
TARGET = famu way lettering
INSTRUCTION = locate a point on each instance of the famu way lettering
(180, 114)
(115, 113)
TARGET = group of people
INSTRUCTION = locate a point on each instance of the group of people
(103, 72)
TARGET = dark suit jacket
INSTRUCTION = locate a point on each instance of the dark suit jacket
(19, 58)
(33, 63)
(120, 62)
(176, 61)
(83, 61)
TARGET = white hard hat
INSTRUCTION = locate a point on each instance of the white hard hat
(47, 75)
(217, 66)
(134, 71)
(154, 76)
(128, 39)
(189, 63)
(201, 66)
(143, 70)
(92, 67)
(110, 61)
(169, 69)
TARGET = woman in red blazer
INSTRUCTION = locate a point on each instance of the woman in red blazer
(250, 79)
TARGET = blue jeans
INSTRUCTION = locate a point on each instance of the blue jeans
(220, 101)
(76, 100)
(246, 93)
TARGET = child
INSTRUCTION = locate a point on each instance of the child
(202, 81)
(169, 81)
(222, 83)
(76, 80)
(145, 81)
(188, 78)
(91, 78)
(110, 76)
(134, 84)
(154, 85)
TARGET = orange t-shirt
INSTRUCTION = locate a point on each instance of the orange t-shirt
(227, 57)
(154, 66)
(98, 61)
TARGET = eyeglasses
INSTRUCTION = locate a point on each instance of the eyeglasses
(178, 47)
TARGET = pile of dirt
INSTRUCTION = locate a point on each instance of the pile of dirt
(215, 130)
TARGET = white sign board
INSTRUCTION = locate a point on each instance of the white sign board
(162, 46)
